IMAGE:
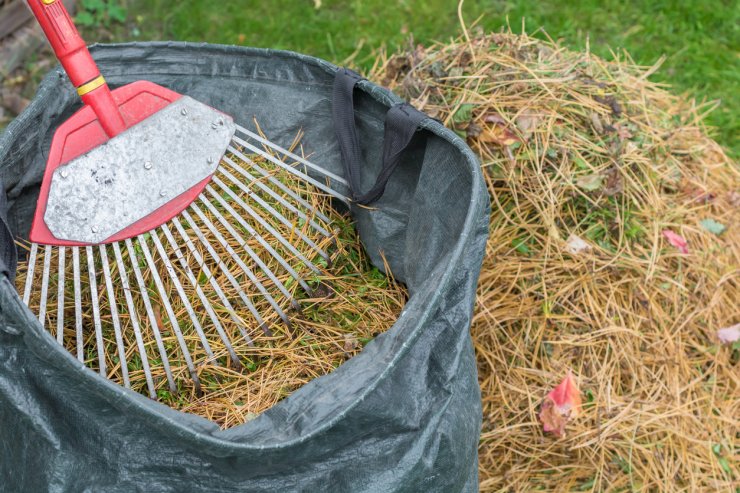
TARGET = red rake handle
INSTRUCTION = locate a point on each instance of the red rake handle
(72, 52)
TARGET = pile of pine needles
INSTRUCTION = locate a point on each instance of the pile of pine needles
(591, 169)
(350, 302)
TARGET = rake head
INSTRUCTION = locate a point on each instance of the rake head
(208, 287)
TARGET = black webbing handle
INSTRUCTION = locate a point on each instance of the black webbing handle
(8, 253)
(401, 123)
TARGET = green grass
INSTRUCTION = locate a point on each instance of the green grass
(700, 39)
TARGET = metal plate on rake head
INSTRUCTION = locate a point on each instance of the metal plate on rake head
(138, 172)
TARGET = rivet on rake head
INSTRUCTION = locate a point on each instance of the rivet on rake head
(184, 112)
(65, 173)
(163, 193)
(148, 165)
(210, 160)
(94, 229)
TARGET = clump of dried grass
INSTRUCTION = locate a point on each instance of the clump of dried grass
(350, 301)
(572, 144)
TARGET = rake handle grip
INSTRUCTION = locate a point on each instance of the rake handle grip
(74, 56)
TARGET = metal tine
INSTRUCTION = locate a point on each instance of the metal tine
(282, 186)
(45, 285)
(181, 292)
(272, 193)
(78, 303)
(292, 169)
(211, 279)
(134, 320)
(114, 315)
(168, 307)
(224, 268)
(295, 157)
(154, 324)
(243, 243)
(236, 256)
(216, 287)
(203, 298)
(30, 273)
(266, 225)
(61, 286)
(96, 309)
(262, 241)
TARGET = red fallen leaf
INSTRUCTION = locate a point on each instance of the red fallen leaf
(677, 241)
(729, 335)
(562, 404)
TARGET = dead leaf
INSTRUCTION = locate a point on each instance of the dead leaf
(698, 194)
(622, 131)
(398, 66)
(677, 241)
(614, 184)
(499, 133)
(493, 117)
(432, 112)
(527, 122)
(158, 319)
(596, 122)
(466, 57)
(734, 198)
(350, 343)
(473, 130)
(576, 245)
(591, 183)
(611, 102)
(729, 335)
(562, 404)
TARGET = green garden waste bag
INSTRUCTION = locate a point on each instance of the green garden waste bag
(404, 415)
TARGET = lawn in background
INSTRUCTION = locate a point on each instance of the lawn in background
(701, 40)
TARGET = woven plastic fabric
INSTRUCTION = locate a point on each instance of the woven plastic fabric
(404, 415)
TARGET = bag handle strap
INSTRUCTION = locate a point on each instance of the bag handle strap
(401, 123)
(8, 253)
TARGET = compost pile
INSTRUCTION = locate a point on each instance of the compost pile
(613, 254)
(350, 303)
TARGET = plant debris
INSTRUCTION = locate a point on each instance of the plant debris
(562, 404)
(576, 245)
(728, 335)
(608, 157)
(677, 241)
